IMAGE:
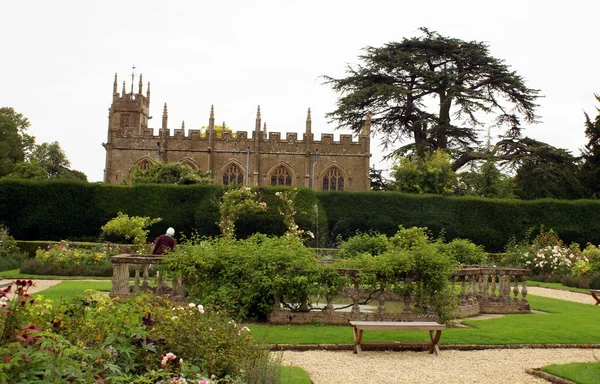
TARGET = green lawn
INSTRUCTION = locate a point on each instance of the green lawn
(66, 290)
(16, 274)
(294, 375)
(580, 373)
(562, 323)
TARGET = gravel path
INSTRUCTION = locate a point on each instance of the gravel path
(488, 366)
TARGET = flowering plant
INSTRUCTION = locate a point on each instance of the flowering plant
(288, 211)
(233, 203)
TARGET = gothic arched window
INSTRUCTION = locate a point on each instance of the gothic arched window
(144, 164)
(281, 176)
(233, 175)
(333, 180)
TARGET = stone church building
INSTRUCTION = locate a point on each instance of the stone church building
(257, 159)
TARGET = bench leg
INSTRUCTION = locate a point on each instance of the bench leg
(357, 339)
(434, 342)
(595, 297)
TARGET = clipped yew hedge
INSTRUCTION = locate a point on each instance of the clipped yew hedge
(487, 222)
(64, 209)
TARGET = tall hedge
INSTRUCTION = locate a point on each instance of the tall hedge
(63, 209)
(59, 209)
(487, 222)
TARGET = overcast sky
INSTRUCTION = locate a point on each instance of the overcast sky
(59, 59)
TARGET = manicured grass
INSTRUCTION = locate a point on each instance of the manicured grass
(15, 274)
(580, 373)
(562, 323)
(294, 375)
(556, 286)
(67, 290)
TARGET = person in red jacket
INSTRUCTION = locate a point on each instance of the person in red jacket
(164, 242)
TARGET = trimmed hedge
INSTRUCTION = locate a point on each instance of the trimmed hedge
(487, 222)
(66, 209)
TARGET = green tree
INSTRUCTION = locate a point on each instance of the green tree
(486, 180)
(378, 182)
(551, 173)
(430, 174)
(167, 173)
(52, 158)
(590, 169)
(28, 170)
(401, 82)
(15, 143)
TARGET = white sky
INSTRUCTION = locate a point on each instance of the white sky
(59, 59)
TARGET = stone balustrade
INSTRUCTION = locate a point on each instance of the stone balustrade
(123, 265)
(480, 290)
(491, 290)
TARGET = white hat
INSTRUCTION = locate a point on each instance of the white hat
(170, 231)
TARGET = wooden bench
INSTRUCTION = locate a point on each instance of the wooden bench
(360, 326)
(595, 293)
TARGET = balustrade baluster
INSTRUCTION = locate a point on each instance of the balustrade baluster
(145, 282)
(484, 287)
(524, 292)
(492, 294)
(516, 290)
(136, 280)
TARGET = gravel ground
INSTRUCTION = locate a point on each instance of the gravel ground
(488, 366)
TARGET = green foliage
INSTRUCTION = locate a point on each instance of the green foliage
(241, 276)
(65, 209)
(140, 340)
(15, 143)
(421, 270)
(465, 252)
(28, 170)
(132, 228)
(589, 172)
(427, 174)
(409, 238)
(167, 173)
(552, 173)
(486, 181)
(235, 202)
(372, 243)
(10, 255)
(402, 83)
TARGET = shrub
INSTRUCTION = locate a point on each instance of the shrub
(10, 256)
(72, 259)
(142, 339)
(241, 276)
(465, 252)
(408, 238)
(132, 229)
(372, 243)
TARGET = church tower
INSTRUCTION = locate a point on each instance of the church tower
(130, 110)
(128, 114)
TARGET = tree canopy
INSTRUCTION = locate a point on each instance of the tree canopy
(167, 173)
(435, 91)
(15, 143)
(590, 169)
(21, 158)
